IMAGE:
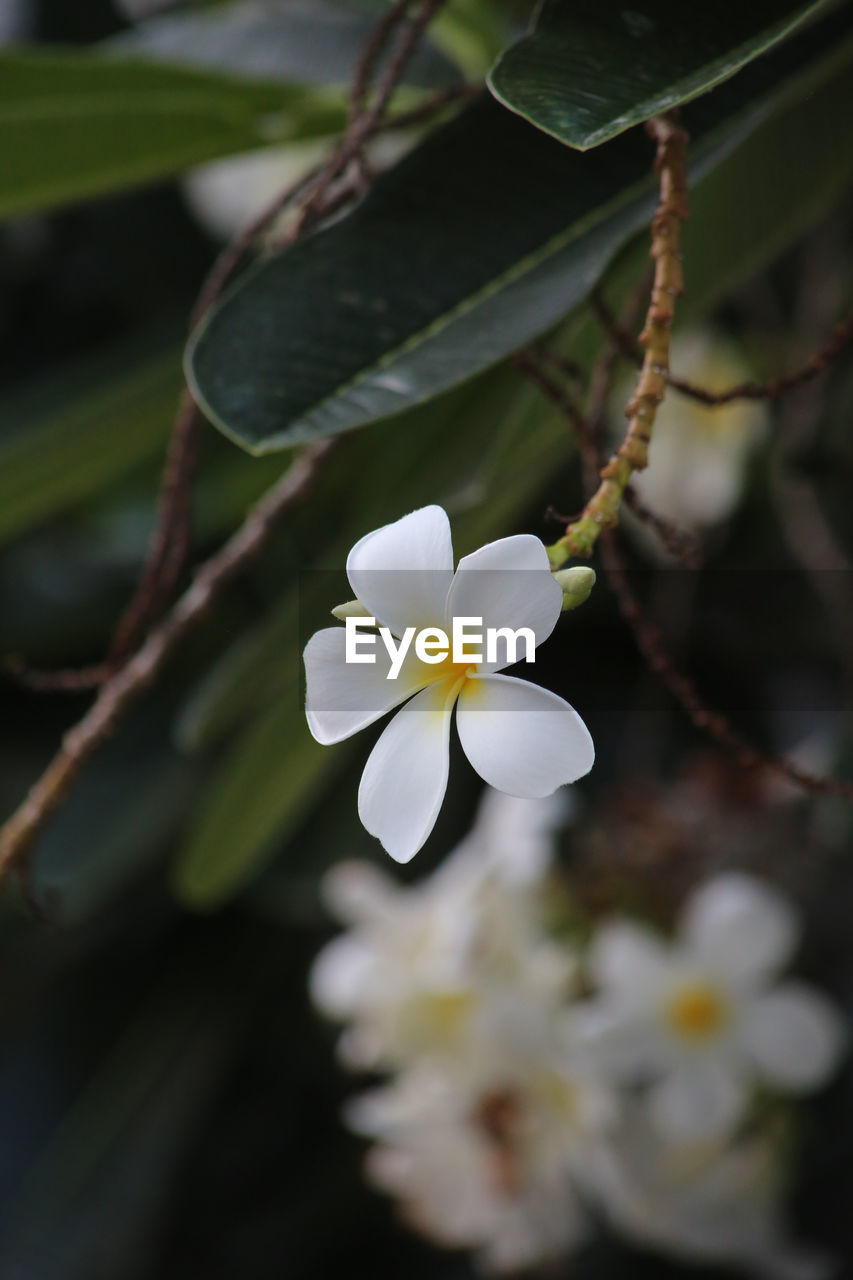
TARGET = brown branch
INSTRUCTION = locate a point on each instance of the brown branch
(842, 336)
(125, 686)
(653, 648)
(170, 543)
(678, 541)
(123, 683)
(365, 124)
(602, 509)
(365, 68)
(647, 635)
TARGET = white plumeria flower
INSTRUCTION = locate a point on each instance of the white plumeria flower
(704, 1018)
(520, 738)
(700, 453)
(492, 1154)
(424, 971)
(710, 1202)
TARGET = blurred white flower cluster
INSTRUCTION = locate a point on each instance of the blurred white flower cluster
(535, 1083)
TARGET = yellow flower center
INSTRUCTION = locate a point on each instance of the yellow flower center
(696, 1012)
(455, 673)
(441, 1016)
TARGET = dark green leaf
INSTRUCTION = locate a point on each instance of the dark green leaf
(483, 238)
(255, 800)
(591, 68)
(742, 216)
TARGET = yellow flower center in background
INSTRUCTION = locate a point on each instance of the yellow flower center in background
(696, 1012)
(438, 1018)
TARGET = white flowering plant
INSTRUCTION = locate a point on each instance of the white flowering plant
(536, 1080)
(396, 400)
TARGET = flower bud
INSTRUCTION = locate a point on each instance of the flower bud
(577, 583)
(352, 609)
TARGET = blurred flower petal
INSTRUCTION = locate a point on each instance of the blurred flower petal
(795, 1037)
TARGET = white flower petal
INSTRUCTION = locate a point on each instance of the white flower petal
(700, 1099)
(507, 583)
(628, 958)
(338, 976)
(625, 1049)
(740, 928)
(402, 572)
(405, 777)
(521, 738)
(360, 893)
(794, 1035)
(517, 835)
(342, 697)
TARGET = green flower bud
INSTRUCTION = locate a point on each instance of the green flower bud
(352, 609)
(577, 582)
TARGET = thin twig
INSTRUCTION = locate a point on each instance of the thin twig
(169, 547)
(125, 686)
(364, 125)
(651, 644)
(680, 542)
(647, 635)
(842, 336)
(602, 509)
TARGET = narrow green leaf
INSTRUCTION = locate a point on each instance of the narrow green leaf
(485, 236)
(767, 195)
(117, 821)
(262, 790)
(591, 68)
(52, 461)
(77, 123)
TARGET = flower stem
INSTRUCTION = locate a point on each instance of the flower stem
(602, 509)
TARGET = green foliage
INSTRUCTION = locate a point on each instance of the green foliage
(56, 456)
(75, 124)
(589, 70)
(403, 299)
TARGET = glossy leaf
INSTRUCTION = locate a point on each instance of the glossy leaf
(76, 123)
(742, 216)
(481, 239)
(591, 68)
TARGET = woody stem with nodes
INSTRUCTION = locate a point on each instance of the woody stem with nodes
(602, 510)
